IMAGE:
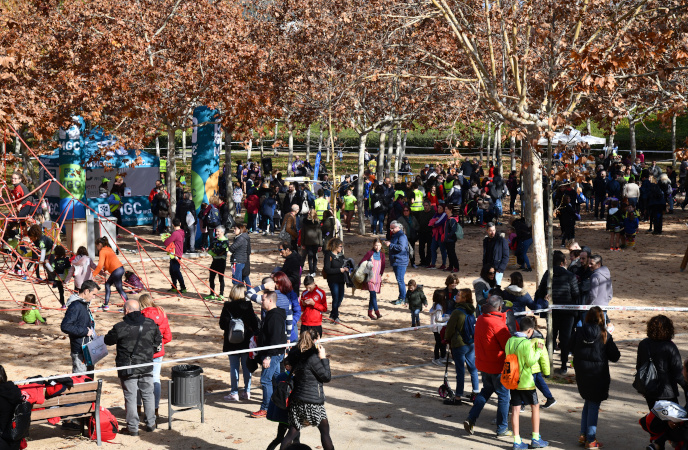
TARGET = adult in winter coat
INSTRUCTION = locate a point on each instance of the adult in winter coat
(377, 258)
(438, 224)
(666, 358)
(10, 397)
(567, 220)
(424, 233)
(311, 368)
(564, 292)
(109, 262)
(328, 227)
(593, 348)
(398, 255)
(137, 338)
(411, 228)
(463, 353)
(79, 324)
(378, 208)
(483, 284)
(517, 295)
(156, 314)
(524, 239)
(288, 300)
(334, 273)
(240, 259)
(601, 290)
(495, 252)
(238, 308)
(290, 224)
(311, 240)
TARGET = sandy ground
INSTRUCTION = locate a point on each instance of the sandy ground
(395, 408)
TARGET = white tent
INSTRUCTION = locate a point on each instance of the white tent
(572, 138)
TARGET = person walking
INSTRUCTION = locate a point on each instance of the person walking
(334, 273)
(398, 255)
(310, 368)
(137, 338)
(593, 349)
(79, 324)
(495, 252)
(377, 258)
(156, 314)
(424, 216)
(240, 258)
(411, 228)
(311, 240)
(461, 337)
(108, 261)
(174, 244)
(491, 336)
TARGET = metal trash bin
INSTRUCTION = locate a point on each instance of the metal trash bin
(185, 390)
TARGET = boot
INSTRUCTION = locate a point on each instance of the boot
(370, 314)
(377, 313)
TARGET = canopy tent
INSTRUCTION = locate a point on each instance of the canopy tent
(574, 137)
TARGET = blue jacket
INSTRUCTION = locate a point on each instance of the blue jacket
(76, 322)
(268, 207)
(398, 249)
(499, 256)
(290, 303)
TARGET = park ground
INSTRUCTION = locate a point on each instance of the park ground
(384, 391)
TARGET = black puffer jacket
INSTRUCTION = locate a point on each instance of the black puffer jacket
(333, 264)
(591, 359)
(10, 397)
(124, 335)
(241, 249)
(564, 289)
(310, 372)
(667, 360)
(311, 234)
(238, 309)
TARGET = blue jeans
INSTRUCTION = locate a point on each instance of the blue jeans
(378, 221)
(542, 385)
(491, 385)
(400, 273)
(234, 361)
(337, 290)
(589, 420)
(522, 253)
(498, 207)
(465, 356)
(266, 377)
(433, 252)
(237, 278)
(372, 303)
(415, 318)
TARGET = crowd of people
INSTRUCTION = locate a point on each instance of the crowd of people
(479, 329)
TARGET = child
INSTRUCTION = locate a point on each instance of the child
(630, 224)
(44, 247)
(438, 320)
(280, 416)
(218, 250)
(134, 282)
(61, 265)
(415, 297)
(32, 315)
(528, 354)
(614, 225)
(313, 304)
(81, 268)
(542, 368)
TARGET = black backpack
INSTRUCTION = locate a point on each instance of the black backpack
(18, 428)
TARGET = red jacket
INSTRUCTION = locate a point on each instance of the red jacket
(491, 334)
(311, 316)
(158, 316)
(252, 204)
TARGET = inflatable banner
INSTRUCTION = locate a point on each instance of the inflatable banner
(206, 143)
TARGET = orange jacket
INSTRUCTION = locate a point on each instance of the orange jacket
(107, 260)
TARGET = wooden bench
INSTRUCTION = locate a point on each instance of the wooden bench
(75, 403)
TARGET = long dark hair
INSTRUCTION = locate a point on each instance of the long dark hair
(3, 375)
(485, 275)
(596, 317)
(282, 282)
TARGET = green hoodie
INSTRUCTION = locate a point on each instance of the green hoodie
(455, 324)
(528, 355)
(32, 315)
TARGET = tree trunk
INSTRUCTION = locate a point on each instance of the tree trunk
(381, 156)
(390, 152)
(673, 140)
(228, 173)
(611, 140)
(489, 143)
(512, 152)
(498, 149)
(320, 143)
(308, 143)
(171, 171)
(397, 161)
(157, 145)
(362, 138)
(482, 142)
(28, 170)
(17, 145)
(588, 126)
(276, 132)
(290, 127)
(184, 145)
(403, 144)
(550, 254)
(262, 151)
(537, 216)
(250, 145)
(631, 135)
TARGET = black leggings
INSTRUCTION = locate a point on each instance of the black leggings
(325, 438)
(282, 429)
(219, 265)
(312, 254)
(116, 279)
(440, 348)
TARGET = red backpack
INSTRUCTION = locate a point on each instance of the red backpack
(108, 426)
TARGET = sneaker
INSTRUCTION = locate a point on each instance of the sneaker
(232, 397)
(398, 302)
(442, 267)
(456, 401)
(414, 266)
(173, 290)
(210, 297)
(593, 444)
(538, 443)
(471, 398)
(505, 433)
(260, 414)
(431, 266)
(63, 307)
(437, 362)
(182, 291)
(126, 431)
(105, 307)
(221, 298)
(562, 371)
(581, 440)
(337, 321)
(151, 429)
(469, 426)
(520, 446)
(549, 403)
(245, 395)
(455, 271)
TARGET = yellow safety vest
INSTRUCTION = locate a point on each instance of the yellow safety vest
(321, 206)
(163, 165)
(398, 194)
(417, 204)
(116, 206)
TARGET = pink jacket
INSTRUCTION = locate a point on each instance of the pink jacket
(82, 270)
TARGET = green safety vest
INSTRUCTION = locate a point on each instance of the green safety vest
(182, 179)
(448, 185)
(163, 165)
(114, 208)
(417, 204)
(398, 194)
(321, 206)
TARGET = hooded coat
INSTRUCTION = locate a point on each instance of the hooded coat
(519, 298)
(667, 361)
(124, 335)
(10, 397)
(601, 291)
(455, 324)
(310, 372)
(76, 322)
(591, 358)
(81, 269)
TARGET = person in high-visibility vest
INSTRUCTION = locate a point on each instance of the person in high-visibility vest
(163, 170)
(417, 202)
(321, 204)
(115, 202)
(182, 177)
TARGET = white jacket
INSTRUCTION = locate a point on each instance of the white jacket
(437, 318)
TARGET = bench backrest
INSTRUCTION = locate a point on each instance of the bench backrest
(82, 399)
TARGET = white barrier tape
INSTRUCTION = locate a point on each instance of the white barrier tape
(216, 355)
(604, 308)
